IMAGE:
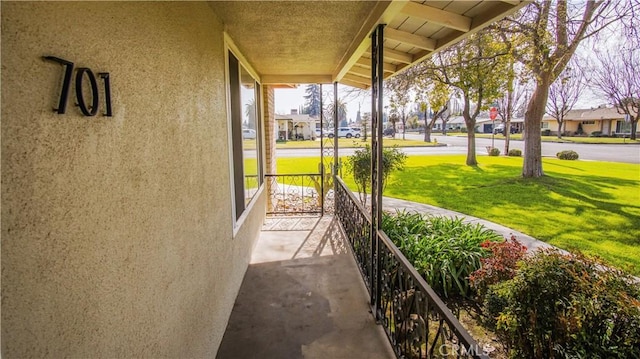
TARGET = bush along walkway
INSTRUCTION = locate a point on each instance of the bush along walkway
(541, 303)
(393, 204)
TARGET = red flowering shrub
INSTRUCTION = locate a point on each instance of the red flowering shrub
(499, 266)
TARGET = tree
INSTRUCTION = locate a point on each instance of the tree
(312, 100)
(393, 118)
(342, 111)
(513, 101)
(431, 94)
(359, 164)
(545, 35)
(616, 77)
(454, 109)
(475, 67)
(563, 95)
(399, 88)
(440, 100)
(250, 113)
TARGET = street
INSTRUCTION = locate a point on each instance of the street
(458, 145)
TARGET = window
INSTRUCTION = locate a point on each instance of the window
(545, 125)
(246, 136)
(623, 127)
(588, 122)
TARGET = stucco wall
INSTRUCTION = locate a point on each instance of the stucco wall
(117, 232)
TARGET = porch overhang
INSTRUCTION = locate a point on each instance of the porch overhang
(295, 42)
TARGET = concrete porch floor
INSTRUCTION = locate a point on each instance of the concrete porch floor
(302, 297)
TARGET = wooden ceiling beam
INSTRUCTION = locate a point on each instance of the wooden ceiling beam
(347, 82)
(437, 16)
(398, 56)
(356, 70)
(366, 62)
(358, 79)
(410, 39)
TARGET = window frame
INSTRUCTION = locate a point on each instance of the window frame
(241, 208)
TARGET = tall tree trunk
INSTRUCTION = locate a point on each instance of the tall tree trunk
(507, 134)
(471, 147)
(532, 166)
(560, 129)
(427, 131)
(471, 141)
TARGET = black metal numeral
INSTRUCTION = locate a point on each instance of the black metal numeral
(94, 92)
(64, 93)
(66, 85)
(107, 92)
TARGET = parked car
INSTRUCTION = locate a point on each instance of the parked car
(248, 134)
(500, 129)
(388, 132)
(347, 132)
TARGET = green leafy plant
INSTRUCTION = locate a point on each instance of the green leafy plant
(514, 152)
(567, 155)
(359, 165)
(327, 178)
(568, 306)
(444, 250)
(493, 151)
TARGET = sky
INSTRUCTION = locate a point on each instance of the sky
(287, 99)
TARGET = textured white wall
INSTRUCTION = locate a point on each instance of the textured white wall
(117, 232)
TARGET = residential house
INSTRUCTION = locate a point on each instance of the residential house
(607, 121)
(296, 126)
(130, 202)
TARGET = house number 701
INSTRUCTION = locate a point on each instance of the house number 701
(66, 84)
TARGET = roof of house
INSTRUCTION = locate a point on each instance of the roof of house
(294, 42)
(599, 113)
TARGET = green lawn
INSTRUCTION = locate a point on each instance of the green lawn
(354, 142)
(518, 136)
(589, 206)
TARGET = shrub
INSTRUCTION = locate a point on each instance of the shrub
(499, 266)
(546, 132)
(444, 250)
(514, 152)
(568, 306)
(567, 155)
(493, 151)
(359, 165)
(595, 134)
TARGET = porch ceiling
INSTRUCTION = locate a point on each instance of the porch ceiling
(289, 42)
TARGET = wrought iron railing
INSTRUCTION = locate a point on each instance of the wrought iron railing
(294, 194)
(416, 321)
(356, 224)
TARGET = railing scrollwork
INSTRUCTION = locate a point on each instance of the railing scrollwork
(416, 321)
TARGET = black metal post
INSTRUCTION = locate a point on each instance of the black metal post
(335, 136)
(377, 39)
(321, 155)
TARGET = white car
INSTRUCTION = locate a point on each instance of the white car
(347, 132)
(248, 134)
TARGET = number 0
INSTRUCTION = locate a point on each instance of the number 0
(94, 92)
